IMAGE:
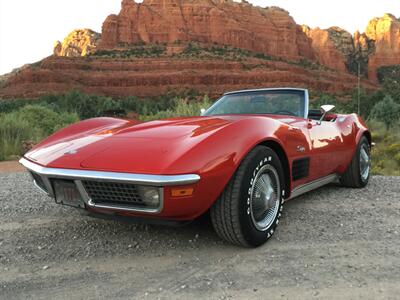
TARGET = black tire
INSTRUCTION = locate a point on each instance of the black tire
(353, 176)
(233, 216)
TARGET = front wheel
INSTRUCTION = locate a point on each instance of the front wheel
(249, 209)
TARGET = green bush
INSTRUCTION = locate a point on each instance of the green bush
(182, 108)
(197, 50)
(386, 153)
(14, 130)
(86, 106)
(389, 73)
(147, 106)
(151, 50)
(90, 106)
(44, 119)
(7, 106)
(397, 158)
(349, 103)
(389, 77)
(21, 121)
(30, 123)
(386, 111)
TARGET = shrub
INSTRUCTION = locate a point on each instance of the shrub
(389, 73)
(397, 158)
(150, 50)
(86, 106)
(389, 77)
(148, 106)
(386, 111)
(39, 117)
(385, 155)
(183, 107)
(7, 106)
(21, 121)
(30, 123)
(14, 130)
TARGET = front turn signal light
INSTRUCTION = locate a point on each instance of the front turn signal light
(182, 192)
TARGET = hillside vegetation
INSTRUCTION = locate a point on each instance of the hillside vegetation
(26, 122)
(194, 50)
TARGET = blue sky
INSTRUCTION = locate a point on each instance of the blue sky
(28, 29)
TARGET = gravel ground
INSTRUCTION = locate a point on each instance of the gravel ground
(331, 243)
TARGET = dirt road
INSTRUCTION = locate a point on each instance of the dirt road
(331, 243)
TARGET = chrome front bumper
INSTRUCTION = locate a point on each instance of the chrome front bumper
(77, 176)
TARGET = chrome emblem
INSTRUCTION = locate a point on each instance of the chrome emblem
(71, 152)
(300, 149)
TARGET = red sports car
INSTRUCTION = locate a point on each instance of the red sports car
(241, 160)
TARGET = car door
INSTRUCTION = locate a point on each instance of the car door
(299, 150)
(326, 147)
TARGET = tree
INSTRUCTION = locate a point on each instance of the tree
(389, 77)
(386, 111)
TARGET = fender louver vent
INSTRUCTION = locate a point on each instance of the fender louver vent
(300, 168)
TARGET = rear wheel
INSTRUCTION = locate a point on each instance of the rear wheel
(358, 173)
(249, 209)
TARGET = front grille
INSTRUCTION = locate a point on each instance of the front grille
(111, 192)
(39, 181)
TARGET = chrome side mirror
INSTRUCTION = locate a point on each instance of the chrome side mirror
(325, 109)
(202, 111)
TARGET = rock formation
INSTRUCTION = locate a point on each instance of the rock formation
(385, 32)
(325, 49)
(266, 30)
(282, 52)
(80, 42)
(155, 76)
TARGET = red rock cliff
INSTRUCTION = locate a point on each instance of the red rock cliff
(80, 42)
(291, 52)
(268, 30)
(385, 32)
(156, 76)
(325, 50)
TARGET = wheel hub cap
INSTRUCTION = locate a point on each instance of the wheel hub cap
(365, 162)
(265, 196)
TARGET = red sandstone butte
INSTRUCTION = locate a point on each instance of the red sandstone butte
(268, 30)
(299, 56)
(385, 32)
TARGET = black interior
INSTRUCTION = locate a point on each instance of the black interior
(314, 114)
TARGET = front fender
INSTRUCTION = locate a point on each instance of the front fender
(217, 157)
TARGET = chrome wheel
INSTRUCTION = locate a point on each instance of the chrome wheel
(365, 162)
(265, 197)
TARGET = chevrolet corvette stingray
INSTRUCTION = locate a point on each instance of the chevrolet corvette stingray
(240, 160)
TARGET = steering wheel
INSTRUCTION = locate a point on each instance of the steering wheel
(284, 112)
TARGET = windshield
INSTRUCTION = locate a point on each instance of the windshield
(277, 102)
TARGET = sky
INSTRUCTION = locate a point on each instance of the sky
(29, 29)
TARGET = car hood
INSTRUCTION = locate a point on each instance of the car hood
(146, 148)
(141, 148)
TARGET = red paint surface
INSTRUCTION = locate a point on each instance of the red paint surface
(211, 147)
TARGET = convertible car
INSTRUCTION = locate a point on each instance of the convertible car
(240, 160)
